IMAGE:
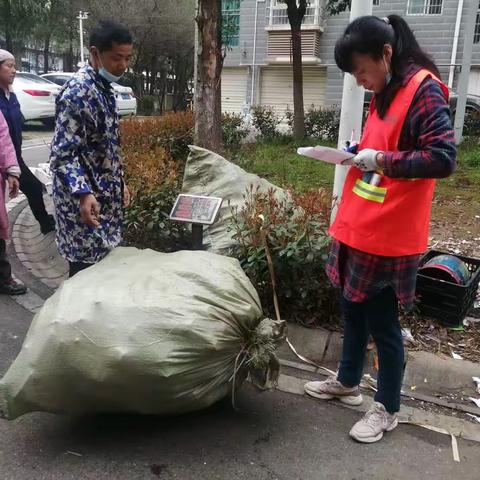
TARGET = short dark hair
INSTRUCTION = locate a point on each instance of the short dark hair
(106, 33)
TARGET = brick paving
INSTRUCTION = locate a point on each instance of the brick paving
(38, 252)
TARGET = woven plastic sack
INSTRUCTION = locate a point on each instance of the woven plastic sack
(208, 173)
(143, 332)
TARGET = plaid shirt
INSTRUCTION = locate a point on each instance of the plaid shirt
(426, 150)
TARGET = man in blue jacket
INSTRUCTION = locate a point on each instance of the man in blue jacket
(88, 188)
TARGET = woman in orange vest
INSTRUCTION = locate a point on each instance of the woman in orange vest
(381, 228)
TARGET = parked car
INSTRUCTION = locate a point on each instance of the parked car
(36, 96)
(472, 109)
(126, 101)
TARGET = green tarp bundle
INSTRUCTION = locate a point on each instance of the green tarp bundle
(208, 173)
(143, 332)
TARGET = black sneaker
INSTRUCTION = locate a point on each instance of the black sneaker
(48, 226)
(12, 287)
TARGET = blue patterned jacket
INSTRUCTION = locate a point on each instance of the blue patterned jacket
(85, 158)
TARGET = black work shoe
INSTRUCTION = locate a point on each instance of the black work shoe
(12, 287)
(48, 225)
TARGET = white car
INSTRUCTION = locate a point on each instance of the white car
(126, 101)
(36, 96)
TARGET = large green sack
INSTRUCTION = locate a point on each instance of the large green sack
(208, 173)
(142, 332)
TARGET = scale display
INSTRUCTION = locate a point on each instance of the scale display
(196, 209)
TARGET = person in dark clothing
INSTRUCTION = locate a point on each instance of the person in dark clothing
(10, 108)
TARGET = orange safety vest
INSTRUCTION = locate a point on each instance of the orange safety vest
(391, 219)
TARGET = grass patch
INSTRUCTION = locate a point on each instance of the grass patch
(278, 162)
(465, 182)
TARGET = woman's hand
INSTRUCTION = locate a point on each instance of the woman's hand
(13, 186)
(367, 159)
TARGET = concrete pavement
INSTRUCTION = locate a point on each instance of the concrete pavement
(272, 435)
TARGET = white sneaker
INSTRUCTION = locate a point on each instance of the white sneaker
(371, 427)
(332, 388)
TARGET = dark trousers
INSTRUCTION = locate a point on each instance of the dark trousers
(32, 187)
(5, 268)
(75, 267)
(377, 316)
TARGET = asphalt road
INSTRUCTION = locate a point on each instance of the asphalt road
(36, 141)
(272, 435)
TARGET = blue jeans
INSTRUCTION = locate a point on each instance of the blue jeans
(377, 316)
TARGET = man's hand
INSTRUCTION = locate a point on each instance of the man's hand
(13, 186)
(126, 196)
(89, 210)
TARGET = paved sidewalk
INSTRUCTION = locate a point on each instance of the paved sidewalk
(37, 252)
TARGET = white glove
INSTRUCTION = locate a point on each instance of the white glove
(366, 159)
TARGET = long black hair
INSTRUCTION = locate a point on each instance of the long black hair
(368, 35)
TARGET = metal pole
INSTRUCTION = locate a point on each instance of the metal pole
(465, 73)
(82, 57)
(352, 109)
(453, 58)
(197, 236)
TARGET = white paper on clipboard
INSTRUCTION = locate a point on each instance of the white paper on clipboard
(327, 154)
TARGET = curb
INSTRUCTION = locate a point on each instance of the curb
(425, 372)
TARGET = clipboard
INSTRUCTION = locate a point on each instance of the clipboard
(327, 155)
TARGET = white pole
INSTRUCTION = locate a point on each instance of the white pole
(80, 19)
(352, 109)
(465, 73)
(453, 58)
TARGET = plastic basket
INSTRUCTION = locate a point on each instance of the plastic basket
(446, 301)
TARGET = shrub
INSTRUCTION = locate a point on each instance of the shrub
(234, 130)
(322, 123)
(154, 154)
(147, 171)
(147, 223)
(296, 233)
(173, 132)
(146, 105)
(472, 124)
(265, 120)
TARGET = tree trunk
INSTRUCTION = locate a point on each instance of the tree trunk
(46, 54)
(208, 100)
(295, 17)
(298, 109)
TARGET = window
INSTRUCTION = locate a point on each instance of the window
(424, 7)
(231, 22)
(476, 36)
(376, 3)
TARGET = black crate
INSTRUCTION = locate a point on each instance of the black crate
(446, 301)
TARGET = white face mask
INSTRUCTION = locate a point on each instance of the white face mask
(103, 72)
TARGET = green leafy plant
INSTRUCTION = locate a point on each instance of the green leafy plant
(322, 123)
(265, 120)
(147, 223)
(234, 131)
(295, 229)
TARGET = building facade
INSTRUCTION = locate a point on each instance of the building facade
(258, 68)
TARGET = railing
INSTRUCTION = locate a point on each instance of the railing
(277, 14)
